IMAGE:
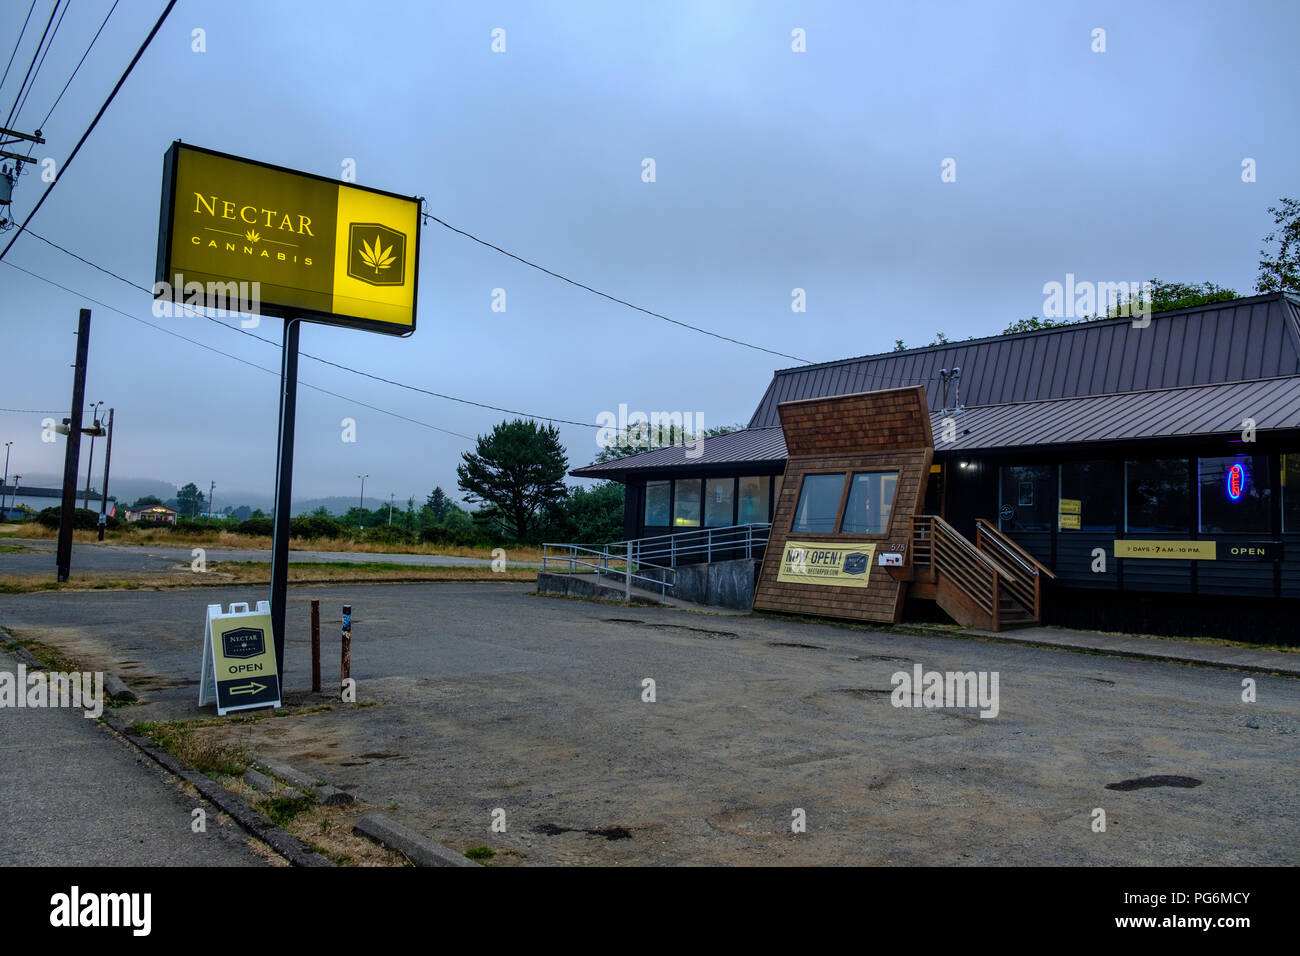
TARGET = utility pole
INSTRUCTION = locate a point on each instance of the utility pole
(212, 486)
(90, 465)
(5, 493)
(10, 172)
(103, 495)
(362, 503)
(63, 558)
(391, 496)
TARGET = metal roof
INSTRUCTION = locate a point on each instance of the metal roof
(1195, 411)
(1191, 373)
(757, 445)
(1241, 340)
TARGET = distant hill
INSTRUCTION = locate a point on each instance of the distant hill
(127, 490)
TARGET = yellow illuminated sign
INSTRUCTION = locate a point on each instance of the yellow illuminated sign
(1183, 550)
(840, 564)
(296, 245)
(1069, 522)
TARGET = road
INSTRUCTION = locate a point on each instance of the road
(37, 557)
(73, 794)
(484, 697)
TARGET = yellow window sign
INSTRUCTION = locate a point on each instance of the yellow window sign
(1182, 550)
(840, 564)
(1071, 506)
(1069, 522)
(236, 233)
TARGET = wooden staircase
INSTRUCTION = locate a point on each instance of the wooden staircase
(992, 583)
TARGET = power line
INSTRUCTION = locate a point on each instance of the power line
(218, 351)
(49, 46)
(315, 358)
(17, 44)
(877, 378)
(30, 66)
(606, 295)
(77, 67)
(89, 129)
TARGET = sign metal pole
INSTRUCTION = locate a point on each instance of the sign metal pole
(284, 488)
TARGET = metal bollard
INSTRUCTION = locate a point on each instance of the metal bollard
(315, 647)
(346, 665)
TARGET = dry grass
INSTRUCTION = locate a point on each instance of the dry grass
(245, 542)
(225, 573)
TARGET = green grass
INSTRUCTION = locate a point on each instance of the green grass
(208, 757)
(51, 657)
(12, 548)
(282, 810)
(480, 853)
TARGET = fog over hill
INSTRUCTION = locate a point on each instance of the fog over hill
(127, 490)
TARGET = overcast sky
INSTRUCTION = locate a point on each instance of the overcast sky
(774, 170)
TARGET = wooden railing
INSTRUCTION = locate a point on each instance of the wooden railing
(940, 547)
(1024, 573)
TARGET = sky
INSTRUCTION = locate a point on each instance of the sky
(774, 170)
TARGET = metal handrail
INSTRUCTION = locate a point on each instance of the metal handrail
(985, 527)
(634, 553)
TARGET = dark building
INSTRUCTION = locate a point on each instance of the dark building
(1145, 462)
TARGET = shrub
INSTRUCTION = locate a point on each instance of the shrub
(314, 526)
(455, 537)
(387, 534)
(256, 526)
(83, 519)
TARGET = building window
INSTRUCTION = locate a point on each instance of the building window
(719, 501)
(1027, 501)
(1235, 494)
(1089, 499)
(871, 497)
(1291, 501)
(753, 500)
(686, 502)
(819, 504)
(1156, 496)
(658, 494)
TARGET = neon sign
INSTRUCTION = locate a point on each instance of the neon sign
(1236, 481)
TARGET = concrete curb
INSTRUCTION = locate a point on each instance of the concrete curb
(1210, 655)
(324, 794)
(416, 847)
(279, 840)
(114, 689)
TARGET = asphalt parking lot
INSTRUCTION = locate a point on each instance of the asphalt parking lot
(484, 697)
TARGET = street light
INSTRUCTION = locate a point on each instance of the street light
(15, 497)
(90, 465)
(362, 503)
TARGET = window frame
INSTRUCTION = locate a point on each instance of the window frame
(839, 511)
(844, 504)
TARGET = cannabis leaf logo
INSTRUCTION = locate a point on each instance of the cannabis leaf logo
(252, 235)
(376, 256)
